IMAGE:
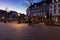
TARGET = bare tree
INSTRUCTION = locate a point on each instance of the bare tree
(29, 3)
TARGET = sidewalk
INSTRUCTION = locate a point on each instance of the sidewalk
(40, 24)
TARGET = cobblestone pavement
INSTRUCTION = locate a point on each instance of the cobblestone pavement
(14, 31)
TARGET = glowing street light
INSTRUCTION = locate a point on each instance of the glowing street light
(18, 14)
(45, 16)
(3, 17)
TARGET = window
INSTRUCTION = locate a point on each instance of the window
(51, 7)
(54, 11)
(59, 11)
(35, 6)
(54, 6)
(50, 12)
(32, 8)
(58, 5)
(41, 13)
(42, 8)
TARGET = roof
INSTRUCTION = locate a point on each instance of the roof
(40, 3)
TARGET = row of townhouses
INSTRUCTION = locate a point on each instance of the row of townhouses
(45, 9)
(11, 16)
(8, 15)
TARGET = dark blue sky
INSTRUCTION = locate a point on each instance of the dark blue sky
(17, 5)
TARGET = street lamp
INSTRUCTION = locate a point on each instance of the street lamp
(3, 17)
(45, 16)
(18, 14)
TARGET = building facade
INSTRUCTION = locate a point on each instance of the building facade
(3, 15)
(8, 16)
(13, 15)
(54, 9)
(39, 10)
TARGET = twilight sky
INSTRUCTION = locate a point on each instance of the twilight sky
(16, 5)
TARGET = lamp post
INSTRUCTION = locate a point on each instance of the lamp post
(18, 18)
